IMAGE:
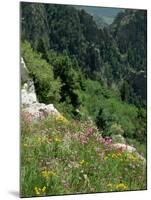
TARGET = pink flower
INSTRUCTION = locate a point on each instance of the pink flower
(89, 131)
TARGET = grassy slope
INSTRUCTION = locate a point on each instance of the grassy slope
(66, 157)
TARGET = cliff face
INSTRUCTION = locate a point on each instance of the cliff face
(29, 101)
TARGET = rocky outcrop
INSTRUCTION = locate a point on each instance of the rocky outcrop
(24, 71)
(29, 101)
(130, 149)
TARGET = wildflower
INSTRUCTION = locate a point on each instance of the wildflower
(121, 187)
(106, 157)
(47, 174)
(61, 118)
(40, 191)
(37, 191)
(132, 157)
(44, 189)
(58, 140)
(83, 139)
(82, 162)
(114, 156)
(89, 131)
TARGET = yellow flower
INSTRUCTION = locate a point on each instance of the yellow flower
(121, 187)
(58, 140)
(37, 191)
(82, 162)
(132, 157)
(44, 189)
(105, 158)
(114, 156)
(40, 191)
(61, 118)
(47, 174)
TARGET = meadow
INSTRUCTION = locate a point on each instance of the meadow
(59, 156)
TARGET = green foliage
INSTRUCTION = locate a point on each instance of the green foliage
(111, 54)
(126, 116)
(47, 88)
(118, 139)
(71, 78)
(140, 147)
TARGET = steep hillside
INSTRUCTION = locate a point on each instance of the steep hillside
(83, 92)
(115, 59)
(63, 28)
(130, 32)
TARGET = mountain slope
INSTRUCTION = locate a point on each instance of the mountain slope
(115, 56)
(130, 32)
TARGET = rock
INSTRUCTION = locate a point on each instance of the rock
(29, 99)
(40, 111)
(128, 148)
(28, 95)
(24, 72)
(124, 147)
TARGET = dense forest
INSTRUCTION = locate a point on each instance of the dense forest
(91, 71)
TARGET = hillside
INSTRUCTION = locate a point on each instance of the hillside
(94, 78)
(130, 32)
(98, 52)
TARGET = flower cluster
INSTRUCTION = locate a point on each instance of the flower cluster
(89, 132)
(121, 187)
(47, 174)
(57, 140)
(84, 137)
(82, 162)
(132, 157)
(40, 191)
(117, 187)
(62, 119)
(115, 155)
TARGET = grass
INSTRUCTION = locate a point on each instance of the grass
(67, 157)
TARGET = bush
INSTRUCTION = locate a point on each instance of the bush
(118, 117)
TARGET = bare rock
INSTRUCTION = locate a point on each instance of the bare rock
(29, 99)
(130, 149)
(124, 147)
